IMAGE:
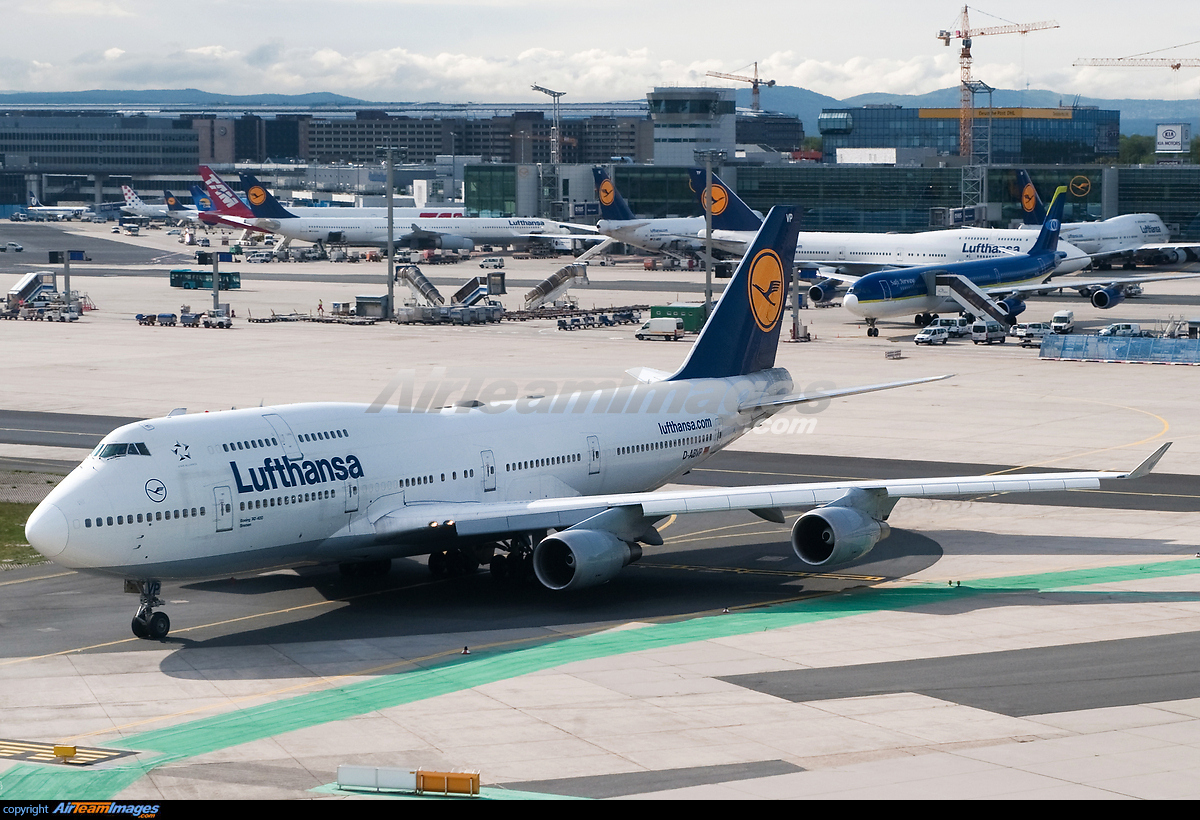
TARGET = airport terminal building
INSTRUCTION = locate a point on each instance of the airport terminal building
(498, 161)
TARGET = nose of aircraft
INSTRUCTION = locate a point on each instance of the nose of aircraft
(46, 530)
(850, 303)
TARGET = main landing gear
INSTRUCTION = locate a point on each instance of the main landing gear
(147, 623)
(924, 319)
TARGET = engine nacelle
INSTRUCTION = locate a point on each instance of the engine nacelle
(831, 536)
(823, 291)
(575, 559)
(1012, 306)
(449, 242)
(445, 242)
(1108, 297)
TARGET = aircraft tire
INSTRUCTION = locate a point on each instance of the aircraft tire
(140, 628)
(437, 563)
(159, 626)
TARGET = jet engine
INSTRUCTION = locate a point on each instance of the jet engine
(575, 559)
(1012, 306)
(831, 536)
(824, 290)
(1108, 297)
(440, 241)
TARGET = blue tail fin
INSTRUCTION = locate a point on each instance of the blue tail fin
(612, 204)
(1047, 241)
(171, 202)
(742, 334)
(261, 201)
(201, 199)
(729, 212)
(1033, 211)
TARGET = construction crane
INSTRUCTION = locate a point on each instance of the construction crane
(754, 81)
(1173, 63)
(555, 95)
(966, 34)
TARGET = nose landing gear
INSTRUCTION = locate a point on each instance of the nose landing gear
(147, 623)
(872, 331)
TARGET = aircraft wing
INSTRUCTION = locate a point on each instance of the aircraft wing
(780, 402)
(1075, 283)
(629, 515)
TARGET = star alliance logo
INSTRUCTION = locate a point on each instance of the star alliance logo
(181, 450)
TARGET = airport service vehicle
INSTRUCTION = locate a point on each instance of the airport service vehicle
(988, 332)
(202, 279)
(1022, 330)
(956, 326)
(492, 262)
(1063, 322)
(564, 498)
(1123, 329)
(667, 329)
(932, 335)
(12, 247)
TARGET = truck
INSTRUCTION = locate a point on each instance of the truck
(1063, 322)
(666, 329)
(11, 246)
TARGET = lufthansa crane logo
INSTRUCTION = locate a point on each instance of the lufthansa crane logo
(257, 195)
(766, 289)
(1029, 198)
(607, 192)
(170, 200)
(1080, 186)
(156, 491)
(720, 199)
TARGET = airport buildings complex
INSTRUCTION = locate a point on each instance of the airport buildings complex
(498, 159)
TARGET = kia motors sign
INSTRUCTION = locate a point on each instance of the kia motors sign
(1174, 138)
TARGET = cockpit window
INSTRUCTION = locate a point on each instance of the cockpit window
(116, 450)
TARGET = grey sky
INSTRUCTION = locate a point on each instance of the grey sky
(488, 50)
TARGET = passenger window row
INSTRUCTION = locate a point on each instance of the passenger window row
(664, 445)
(252, 444)
(150, 518)
(124, 449)
(551, 461)
(284, 500)
(326, 436)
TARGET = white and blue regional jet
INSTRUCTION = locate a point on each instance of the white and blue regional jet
(560, 487)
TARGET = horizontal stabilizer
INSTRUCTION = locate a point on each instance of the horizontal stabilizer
(779, 402)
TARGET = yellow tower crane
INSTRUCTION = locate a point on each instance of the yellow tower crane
(966, 34)
(754, 81)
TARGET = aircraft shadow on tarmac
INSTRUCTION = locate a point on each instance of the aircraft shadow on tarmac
(409, 603)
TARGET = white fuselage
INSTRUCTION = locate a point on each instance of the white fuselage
(1120, 233)
(888, 250)
(209, 494)
(374, 230)
(405, 212)
(656, 234)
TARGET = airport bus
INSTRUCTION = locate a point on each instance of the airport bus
(202, 280)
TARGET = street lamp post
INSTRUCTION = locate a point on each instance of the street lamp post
(707, 157)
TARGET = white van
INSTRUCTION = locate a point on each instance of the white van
(956, 326)
(661, 328)
(1063, 322)
(988, 332)
(1122, 329)
(260, 256)
(492, 262)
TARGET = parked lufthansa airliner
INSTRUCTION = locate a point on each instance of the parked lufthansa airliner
(559, 487)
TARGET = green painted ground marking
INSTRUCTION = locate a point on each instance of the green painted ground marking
(32, 782)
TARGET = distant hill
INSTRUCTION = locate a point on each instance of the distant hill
(185, 96)
(1137, 116)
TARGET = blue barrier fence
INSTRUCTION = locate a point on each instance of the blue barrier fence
(1121, 349)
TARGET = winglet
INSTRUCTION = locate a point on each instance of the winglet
(1150, 463)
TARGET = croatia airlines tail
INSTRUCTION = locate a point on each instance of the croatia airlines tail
(557, 489)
